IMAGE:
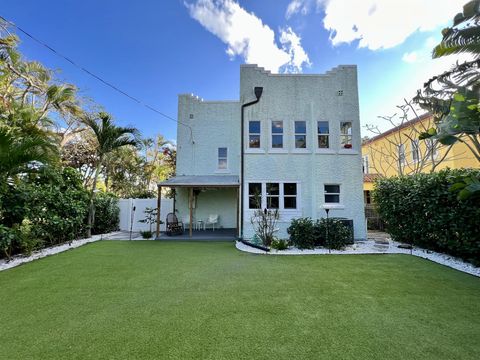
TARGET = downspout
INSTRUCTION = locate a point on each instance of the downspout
(258, 94)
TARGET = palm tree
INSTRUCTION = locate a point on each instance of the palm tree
(19, 152)
(464, 35)
(108, 137)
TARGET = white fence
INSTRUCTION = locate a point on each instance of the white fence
(128, 216)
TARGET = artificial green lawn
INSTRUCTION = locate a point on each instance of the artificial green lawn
(155, 300)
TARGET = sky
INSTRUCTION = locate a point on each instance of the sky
(155, 50)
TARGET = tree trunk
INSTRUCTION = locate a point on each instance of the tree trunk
(91, 208)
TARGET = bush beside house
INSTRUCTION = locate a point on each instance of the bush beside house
(306, 233)
(423, 211)
(49, 208)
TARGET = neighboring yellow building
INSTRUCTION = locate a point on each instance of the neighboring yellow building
(399, 152)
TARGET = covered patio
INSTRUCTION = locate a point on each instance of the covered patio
(196, 198)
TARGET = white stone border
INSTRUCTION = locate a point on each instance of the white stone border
(20, 259)
(370, 247)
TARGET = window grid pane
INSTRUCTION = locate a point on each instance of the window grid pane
(300, 134)
(332, 193)
(346, 134)
(254, 134)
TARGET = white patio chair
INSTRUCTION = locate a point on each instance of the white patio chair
(186, 222)
(212, 220)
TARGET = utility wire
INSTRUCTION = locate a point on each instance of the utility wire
(105, 82)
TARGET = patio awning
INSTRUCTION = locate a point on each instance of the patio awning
(202, 181)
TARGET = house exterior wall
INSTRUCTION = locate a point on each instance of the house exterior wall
(221, 202)
(309, 98)
(289, 98)
(214, 124)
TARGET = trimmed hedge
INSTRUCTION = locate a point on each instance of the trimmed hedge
(422, 211)
(107, 214)
(306, 233)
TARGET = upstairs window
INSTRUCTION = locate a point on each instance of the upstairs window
(346, 134)
(273, 195)
(222, 158)
(254, 195)
(323, 135)
(277, 134)
(332, 194)
(254, 134)
(432, 148)
(300, 134)
(415, 151)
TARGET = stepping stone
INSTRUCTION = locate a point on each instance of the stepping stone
(404, 246)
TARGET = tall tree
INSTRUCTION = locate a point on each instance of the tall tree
(109, 137)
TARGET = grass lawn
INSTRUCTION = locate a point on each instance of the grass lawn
(154, 300)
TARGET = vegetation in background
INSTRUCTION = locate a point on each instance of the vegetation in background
(421, 210)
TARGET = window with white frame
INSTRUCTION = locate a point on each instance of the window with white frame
(254, 134)
(222, 158)
(323, 133)
(273, 195)
(300, 134)
(289, 195)
(277, 134)
(432, 148)
(365, 164)
(415, 151)
(255, 195)
(346, 134)
(401, 154)
(332, 193)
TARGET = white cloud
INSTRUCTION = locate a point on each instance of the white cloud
(291, 44)
(246, 35)
(379, 24)
(410, 57)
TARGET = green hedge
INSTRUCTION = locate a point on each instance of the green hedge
(107, 214)
(420, 210)
(306, 233)
(49, 208)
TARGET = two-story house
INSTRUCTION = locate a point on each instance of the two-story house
(292, 143)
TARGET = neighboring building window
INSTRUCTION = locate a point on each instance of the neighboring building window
(415, 151)
(255, 195)
(289, 195)
(332, 194)
(401, 154)
(273, 195)
(254, 134)
(277, 134)
(300, 134)
(367, 196)
(323, 134)
(365, 164)
(222, 158)
(432, 149)
(346, 134)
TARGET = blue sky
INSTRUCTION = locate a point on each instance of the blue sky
(155, 50)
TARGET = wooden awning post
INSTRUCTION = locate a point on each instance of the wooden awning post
(190, 203)
(159, 203)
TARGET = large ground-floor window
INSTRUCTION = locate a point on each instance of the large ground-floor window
(273, 195)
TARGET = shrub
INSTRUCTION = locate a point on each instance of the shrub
(264, 224)
(279, 244)
(107, 213)
(146, 234)
(302, 233)
(306, 233)
(420, 210)
(332, 233)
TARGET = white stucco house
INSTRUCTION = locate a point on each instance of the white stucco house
(292, 138)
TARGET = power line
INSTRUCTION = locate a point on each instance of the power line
(105, 82)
